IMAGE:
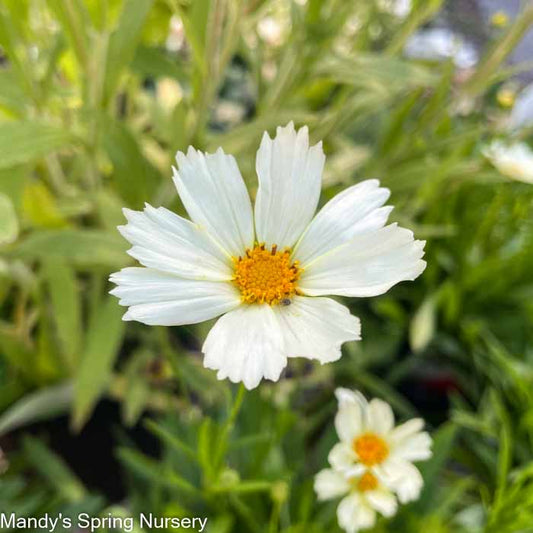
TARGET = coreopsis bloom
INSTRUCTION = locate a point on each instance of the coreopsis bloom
(267, 270)
(372, 465)
(514, 161)
(369, 441)
(363, 496)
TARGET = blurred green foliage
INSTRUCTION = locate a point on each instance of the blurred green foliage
(96, 97)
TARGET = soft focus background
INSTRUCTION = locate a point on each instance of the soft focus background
(96, 96)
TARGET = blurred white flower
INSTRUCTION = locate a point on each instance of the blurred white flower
(228, 112)
(364, 496)
(266, 274)
(522, 113)
(372, 465)
(514, 161)
(440, 44)
(369, 442)
(398, 8)
(176, 35)
(272, 30)
(402, 8)
(168, 93)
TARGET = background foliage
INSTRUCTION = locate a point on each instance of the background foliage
(95, 98)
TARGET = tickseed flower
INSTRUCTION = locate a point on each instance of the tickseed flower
(265, 271)
(514, 161)
(363, 496)
(372, 464)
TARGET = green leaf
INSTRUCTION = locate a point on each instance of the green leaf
(155, 471)
(195, 21)
(40, 206)
(43, 404)
(11, 95)
(376, 73)
(443, 443)
(124, 40)
(171, 440)
(9, 225)
(137, 391)
(55, 470)
(104, 338)
(155, 63)
(22, 142)
(134, 176)
(82, 248)
(64, 292)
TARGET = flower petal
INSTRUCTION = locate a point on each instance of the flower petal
(403, 478)
(405, 430)
(369, 265)
(215, 196)
(382, 501)
(316, 328)
(167, 242)
(246, 345)
(161, 299)
(380, 418)
(354, 211)
(349, 421)
(342, 457)
(289, 175)
(344, 396)
(330, 484)
(414, 448)
(353, 514)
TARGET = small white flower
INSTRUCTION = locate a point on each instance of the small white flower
(272, 30)
(266, 271)
(522, 113)
(514, 161)
(440, 44)
(176, 35)
(369, 442)
(364, 495)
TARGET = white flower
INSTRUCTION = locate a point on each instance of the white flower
(440, 44)
(272, 30)
(363, 495)
(266, 271)
(369, 442)
(514, 161)
(522, 113)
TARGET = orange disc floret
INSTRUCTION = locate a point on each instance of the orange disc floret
(371, 449)
(367, 481)
(266, 276)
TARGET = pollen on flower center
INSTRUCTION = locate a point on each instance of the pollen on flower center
(266, 276)
(371, 449)
(367, 481)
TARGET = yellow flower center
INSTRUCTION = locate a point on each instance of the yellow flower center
(371, 449)
(367, 481)
(266, 276)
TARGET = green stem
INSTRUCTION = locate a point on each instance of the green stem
(484, 74)
(228, 426)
